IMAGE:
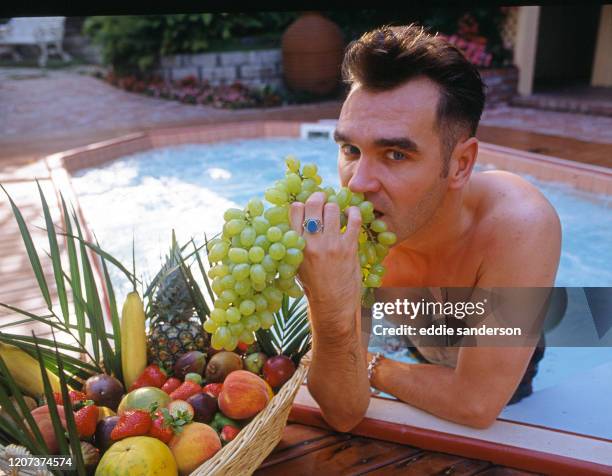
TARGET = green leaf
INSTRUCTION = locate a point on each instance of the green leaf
(53, 411)
(115, 321)
(75, 274)
(55, 256)
(31, 250)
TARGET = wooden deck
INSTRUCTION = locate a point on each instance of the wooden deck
(306, 450)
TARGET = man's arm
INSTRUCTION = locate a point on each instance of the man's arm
(524, 253)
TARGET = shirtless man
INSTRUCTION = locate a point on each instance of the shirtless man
(406, 141)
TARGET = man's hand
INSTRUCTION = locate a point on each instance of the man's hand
(330, 273)
(331, 277)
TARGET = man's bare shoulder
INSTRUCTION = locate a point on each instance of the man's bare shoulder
(517, 226)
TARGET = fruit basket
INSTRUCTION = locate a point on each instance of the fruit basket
(199, 376)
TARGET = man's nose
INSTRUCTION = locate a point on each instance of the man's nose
(365, 177)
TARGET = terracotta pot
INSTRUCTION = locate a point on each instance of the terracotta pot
(313, 47)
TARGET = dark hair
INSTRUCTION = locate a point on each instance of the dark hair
(387, 57)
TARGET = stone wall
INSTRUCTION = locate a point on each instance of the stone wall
(501, 84)
(252, 68)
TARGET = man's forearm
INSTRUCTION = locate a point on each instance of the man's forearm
(337, 378)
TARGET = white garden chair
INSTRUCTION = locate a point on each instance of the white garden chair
(45, 32)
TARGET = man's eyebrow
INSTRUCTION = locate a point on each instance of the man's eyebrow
(403, 143)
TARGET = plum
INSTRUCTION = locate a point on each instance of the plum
(204, 406)
(278, 369)
(105, 390)
(191, 362)
(103, 431)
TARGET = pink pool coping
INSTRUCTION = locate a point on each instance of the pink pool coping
(586, 177)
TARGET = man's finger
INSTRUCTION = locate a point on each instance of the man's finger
(331, 218)
(313, 209)
(296, 217)
(353, 225)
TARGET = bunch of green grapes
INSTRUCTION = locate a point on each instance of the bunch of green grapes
(256, 258)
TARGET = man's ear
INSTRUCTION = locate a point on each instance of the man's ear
(462, 163)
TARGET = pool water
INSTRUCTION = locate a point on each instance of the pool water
(188, 188)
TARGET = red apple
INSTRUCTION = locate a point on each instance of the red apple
(278, 369)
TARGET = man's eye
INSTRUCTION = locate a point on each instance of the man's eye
(348, 149)
(396, 155)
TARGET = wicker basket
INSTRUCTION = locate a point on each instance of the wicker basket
(245, 453)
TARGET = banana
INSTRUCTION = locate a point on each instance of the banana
(26, 372)
(133, 339)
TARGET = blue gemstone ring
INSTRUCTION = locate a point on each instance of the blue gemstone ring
(313, 225)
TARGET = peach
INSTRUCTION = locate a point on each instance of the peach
(45, 425)
(244, 395)
(197, 443)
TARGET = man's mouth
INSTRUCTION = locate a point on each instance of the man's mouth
(378, 214)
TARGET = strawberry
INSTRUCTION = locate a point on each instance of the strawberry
(186, 390)
(171, 385)
(132, 423)
(161, 426)
(75, 396)
(86, 420)
(228, 433)
(213, 389)
(152, 376)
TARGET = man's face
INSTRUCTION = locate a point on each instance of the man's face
(390, 151)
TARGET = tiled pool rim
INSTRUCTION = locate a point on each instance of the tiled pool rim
(586, 177)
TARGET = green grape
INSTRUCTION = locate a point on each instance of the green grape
(293, 256)
(243, 287)
(260, 224)
(269, 265)
(329, 191)
(381, 251)
(370, 252)
(294, 183)
(266, 318)
(282, 186)
(210, 326)
(363, 236)
(247, 307)
(238, 255)
(233, 214)
(273, 295)
(240, 272)
(235, 226)
(295, 291)
(292, 163)
(274, 234)
(232, 343)
(367, 218)
(235, 242)
(343, 220)
(378, 226)
(251, 323)
(212, 243)
(318, 179)
(301, 244)
(277, 251)
(274, 306)
(276, 215)
(363, 260)
(302, 196)
(344, 197)
(223, 334)
(215, 341)
(262, 242)
(309, 171)
(229, 295)
(247, 236)
(378, 269)
(283, 227)
(259, 286)
(257, 273)
(386, 238)
(222, 270)
(218, 315)
(286, 271)
(232, 314)
(290, 238)
(218, 251)
(309, 185)
(366, 208)
(276, 196)
(236, 329)
(221, 304)
(357, 198)
(255, 207)
(217, 286)
(256, 254)
(373, 281)
(332, 199)
(260, 303)
(229, 281)
(285, 284)
(246, 337)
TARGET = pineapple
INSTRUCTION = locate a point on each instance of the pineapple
(174, 326)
